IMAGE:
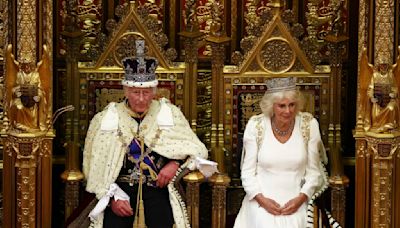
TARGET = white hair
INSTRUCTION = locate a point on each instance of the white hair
(268, 100)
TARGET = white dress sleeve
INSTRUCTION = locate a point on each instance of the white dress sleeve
(312, 174)
(249, 166)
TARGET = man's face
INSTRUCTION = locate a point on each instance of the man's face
(139, 98)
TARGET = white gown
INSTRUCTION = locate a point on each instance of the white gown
(279, 171)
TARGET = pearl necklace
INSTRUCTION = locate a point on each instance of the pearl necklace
(280, 132)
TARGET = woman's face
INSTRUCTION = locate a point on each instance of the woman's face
(139, 98)
(284, 111)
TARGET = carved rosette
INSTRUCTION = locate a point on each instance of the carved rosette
(276, 56)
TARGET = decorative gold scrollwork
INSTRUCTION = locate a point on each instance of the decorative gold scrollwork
(276, 56)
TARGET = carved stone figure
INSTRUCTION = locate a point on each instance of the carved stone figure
(28, 93)
(191, 16)
(216, 27)
(379, 98)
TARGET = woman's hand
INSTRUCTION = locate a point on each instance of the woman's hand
(293, 205)
(167, 173)
(121, 208)
(268, 204)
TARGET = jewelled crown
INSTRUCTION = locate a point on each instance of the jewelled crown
(140, 70)
(280, 84)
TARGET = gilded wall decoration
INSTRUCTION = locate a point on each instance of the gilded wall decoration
(192, 15)
(3, 38)
(204, 107)
(3, 27)
(26, 22)
(323, 18)
(89, 13)
(48, 27)
(154, 8)
(384, 31)
(204, 19)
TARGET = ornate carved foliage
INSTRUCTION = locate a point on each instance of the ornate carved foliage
(384, 30)
(27, 152)
(135, 21)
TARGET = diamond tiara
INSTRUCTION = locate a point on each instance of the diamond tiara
(280, 84)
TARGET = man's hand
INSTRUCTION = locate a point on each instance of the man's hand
(268, 204)
(121, 208)
(293, 205)
(167, 173)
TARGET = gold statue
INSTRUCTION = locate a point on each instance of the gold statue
(379, 98)
(216, 27)
(27, 98)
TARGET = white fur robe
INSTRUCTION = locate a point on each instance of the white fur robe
(105, 150)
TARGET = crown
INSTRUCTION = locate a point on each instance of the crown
(140, 69)
(280, 84)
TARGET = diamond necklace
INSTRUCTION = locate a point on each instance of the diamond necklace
(280, 132)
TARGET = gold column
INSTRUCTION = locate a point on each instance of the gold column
(337, 180)
(377, 156)
(219, 183)
(377, 175)
(72, 175)
(218, 40)
(27, 125)
(27, 180)
(191, 37)
(217, 117)
(193, 180)
(191, 40)
(362, 183)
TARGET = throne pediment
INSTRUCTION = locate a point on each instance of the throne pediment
(135, 24)
(276, 51)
